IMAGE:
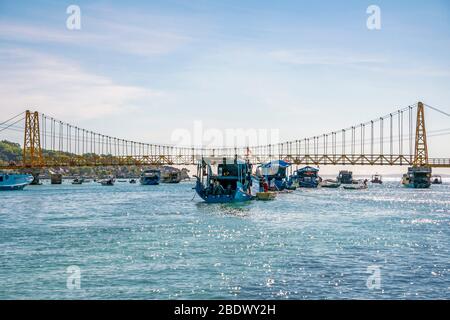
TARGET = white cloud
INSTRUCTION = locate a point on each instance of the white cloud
(108, 36)
(63, 89)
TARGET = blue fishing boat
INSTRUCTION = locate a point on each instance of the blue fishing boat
(14, 181)
(306, 177)
(274, 173)
(232, 181)
(150, 177)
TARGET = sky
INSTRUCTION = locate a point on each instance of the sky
(144, 70)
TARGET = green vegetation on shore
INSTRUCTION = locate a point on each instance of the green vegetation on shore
(12, 152)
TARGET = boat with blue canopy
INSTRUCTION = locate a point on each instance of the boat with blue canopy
(275, 173)
(14, 181)
(223, 180)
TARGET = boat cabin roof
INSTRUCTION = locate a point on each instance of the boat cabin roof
(222, 160)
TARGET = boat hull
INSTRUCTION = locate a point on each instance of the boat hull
(10, 182)
(149, 182)
(238, 196)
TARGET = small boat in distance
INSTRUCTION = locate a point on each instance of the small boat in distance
(107, 182)
(330, 183)
(376, 178)
(356, 185)
(150, 177)
(132, 181)
(14, 181)
(345, 177)
(77, 181)
(436, 179)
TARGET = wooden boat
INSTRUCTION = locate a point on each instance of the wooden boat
(77, 181)
(376, 178)
(269, 195)
(417, 177)
(329, 183)
(107, 182)
(306, 177)
(436, 179)
(274, 172)
(14, 181)
(345, 177)
(150, 177)
(359, 185)
(232, 181)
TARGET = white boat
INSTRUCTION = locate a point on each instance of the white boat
(358, 185)
(14, 181)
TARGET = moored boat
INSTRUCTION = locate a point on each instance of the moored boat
(274, 173)
(306, 177)
(417, 177)
(436, 179)
(150, 177)
(14, 181)
(269, 195)
(77, 181)
(173, 176)
(376, 178)
(232, 182)
(107, 182)
(356, 185)
(132, 181)
(345, 177)
(330, 183)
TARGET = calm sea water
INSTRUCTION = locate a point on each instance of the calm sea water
(157, 242)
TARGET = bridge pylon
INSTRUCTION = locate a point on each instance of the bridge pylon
(421, 147)
(32, 152)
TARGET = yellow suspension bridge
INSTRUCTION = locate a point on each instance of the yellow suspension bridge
(399, 138)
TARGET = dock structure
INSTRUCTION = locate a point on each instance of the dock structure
(390, 140)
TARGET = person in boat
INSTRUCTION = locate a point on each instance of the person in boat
(365, 182)
(265, 186)
(218, 189)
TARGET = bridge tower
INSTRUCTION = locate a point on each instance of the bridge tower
(421, 148)
(32, 152)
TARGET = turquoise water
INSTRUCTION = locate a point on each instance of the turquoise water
(157, 242)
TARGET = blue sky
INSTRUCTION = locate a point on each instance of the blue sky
(141, 69)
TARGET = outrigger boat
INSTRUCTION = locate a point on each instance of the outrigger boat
(329, 183)
(274, 173)
(356, 185)
(14, 181)
(232, 181)
(306, 177)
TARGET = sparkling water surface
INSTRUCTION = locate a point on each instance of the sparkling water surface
(161, 242)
